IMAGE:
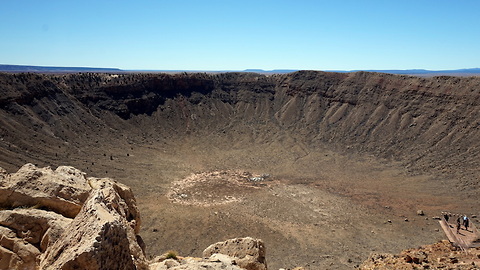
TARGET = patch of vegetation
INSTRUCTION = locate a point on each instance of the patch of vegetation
(171, 254)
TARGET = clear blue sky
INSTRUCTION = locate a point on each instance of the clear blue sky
(237, 35)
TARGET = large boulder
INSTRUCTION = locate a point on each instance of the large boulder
(38, 227)
(249, 253)
(60, 219)
(102, 235)
(215, 262)
(63, 190)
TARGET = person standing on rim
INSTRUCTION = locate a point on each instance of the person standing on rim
(458, 224)
(465, 222)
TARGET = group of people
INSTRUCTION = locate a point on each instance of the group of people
(461, 220)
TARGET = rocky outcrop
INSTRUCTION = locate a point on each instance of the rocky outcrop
(239, 253)
(60, 219)
(15, 252)
(441, 255)
(63, 191)
(38, 227)
(102, 236)
(249, 253)
(216, 261)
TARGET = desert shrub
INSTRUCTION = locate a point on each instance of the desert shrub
(171, 254)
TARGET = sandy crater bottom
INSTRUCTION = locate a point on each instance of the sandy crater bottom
(216, 187)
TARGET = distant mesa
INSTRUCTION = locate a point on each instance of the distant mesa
(276, 71)
(412, 72)
(428, 73)
(45, 69)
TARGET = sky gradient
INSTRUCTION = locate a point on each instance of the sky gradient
(238, 35)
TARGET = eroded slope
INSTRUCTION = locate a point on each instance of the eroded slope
(428, 124)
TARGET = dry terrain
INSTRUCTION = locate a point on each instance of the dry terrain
(350, 158)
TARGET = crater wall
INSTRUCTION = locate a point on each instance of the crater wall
(428, 124)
